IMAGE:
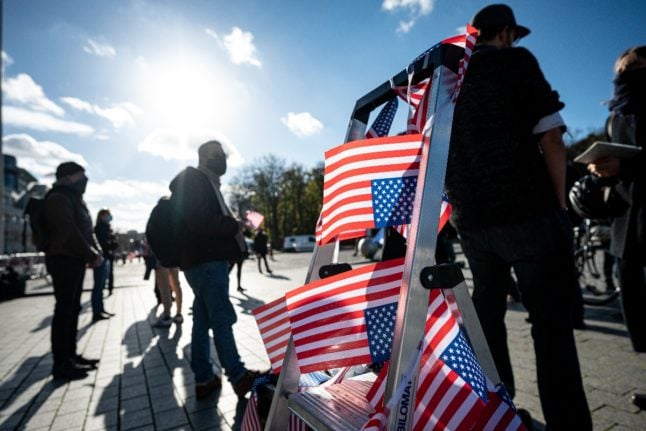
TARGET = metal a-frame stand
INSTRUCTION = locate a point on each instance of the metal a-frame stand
(339, 409)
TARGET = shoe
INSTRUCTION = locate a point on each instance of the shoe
(269, 271)
(80, 360)
(69, 371)
(163, 322)
(244, 384)
(99, 316)
(639, 399)
(179, 319)
(203, 390)
(240, 289)
(107, 313)
(526, 419)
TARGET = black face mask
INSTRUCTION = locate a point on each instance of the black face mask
(79, 186)
(218, 166)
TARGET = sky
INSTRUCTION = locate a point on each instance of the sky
(130, 88)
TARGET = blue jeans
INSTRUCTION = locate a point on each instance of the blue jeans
(540, 252)
(213, 310)
(100, 276)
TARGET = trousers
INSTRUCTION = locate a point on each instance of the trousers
(540, 252)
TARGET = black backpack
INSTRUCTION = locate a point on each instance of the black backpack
(34, 211)
(162, 232)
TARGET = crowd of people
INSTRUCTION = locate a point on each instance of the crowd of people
(506, 182)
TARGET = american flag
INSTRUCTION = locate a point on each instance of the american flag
(467, 41)
(377, 421)
(500, 413)
(255, 219)
(273, 323)
(375, 395)
(381, 125)
(346, 319)
(357, 173)
(417, 99)
(251, 420)
(451, 390)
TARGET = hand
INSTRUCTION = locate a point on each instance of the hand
(605, 167)
(97, 262)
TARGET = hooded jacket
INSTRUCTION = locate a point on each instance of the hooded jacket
(206, 233)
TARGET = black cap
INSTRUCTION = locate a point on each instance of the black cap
(68, 168)
(498, 15)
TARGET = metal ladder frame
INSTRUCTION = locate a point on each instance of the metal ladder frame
(440, 62)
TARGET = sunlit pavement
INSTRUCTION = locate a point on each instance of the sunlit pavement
(144, 379)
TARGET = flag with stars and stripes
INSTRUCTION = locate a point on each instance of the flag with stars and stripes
(451, 390)
(273, 323)
(417, 99)
(346, 319)
(368, 182)
(500, 413)
(381, 126)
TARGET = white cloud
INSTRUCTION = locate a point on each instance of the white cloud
(239, 45)
(100, 49)
(302, 124)
(19, 117)
(130, 201)
(6, 61)
(39, 157)
(174, 144)
(24, 90)
(119, 115)
(415, 9)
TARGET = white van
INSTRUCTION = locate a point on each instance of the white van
(299, 243)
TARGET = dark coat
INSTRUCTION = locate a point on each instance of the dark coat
(206, 234)
(260, 243)
(68, 225)
(629, 230)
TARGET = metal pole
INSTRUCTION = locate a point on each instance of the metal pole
(2, 191)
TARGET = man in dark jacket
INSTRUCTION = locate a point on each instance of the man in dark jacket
(506, 181)
(71, 246)
(210, 238)
(261, 249)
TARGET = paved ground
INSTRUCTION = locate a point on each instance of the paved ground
(144, 379)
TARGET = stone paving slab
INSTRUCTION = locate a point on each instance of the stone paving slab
(144, 379)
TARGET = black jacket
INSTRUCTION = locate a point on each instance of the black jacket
(496, 173)
(206, 234)
(629, 230)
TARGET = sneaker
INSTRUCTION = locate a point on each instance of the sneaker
(100, 316)
(163, 322)
(203, 390)
(639, 399)
(179, 319)
(244, 384)
(241, 289)
(69, 371)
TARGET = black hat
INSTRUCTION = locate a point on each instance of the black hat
(496, 15)
(68, 168)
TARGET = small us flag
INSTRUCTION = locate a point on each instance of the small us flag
(392, 200)
(384, 120)
(460, 358)
(380, 325)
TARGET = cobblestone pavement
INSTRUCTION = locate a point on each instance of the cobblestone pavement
(144, 379)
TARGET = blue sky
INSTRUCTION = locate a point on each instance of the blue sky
(130, 88)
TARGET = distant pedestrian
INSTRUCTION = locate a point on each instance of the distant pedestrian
(627, 125)
(167, 282)
(71, 246)
(210, 238)
(506, 181)
(261, 249)
(104, 235)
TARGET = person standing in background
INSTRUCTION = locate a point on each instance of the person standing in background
(104, 235)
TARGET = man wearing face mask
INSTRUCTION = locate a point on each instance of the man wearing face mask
(71, 245)
(210, 238)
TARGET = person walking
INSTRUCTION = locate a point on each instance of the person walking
(506, 182)
(627, 125)
(261, 249)
(210, 238)
(104, 235)
(70, 246)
